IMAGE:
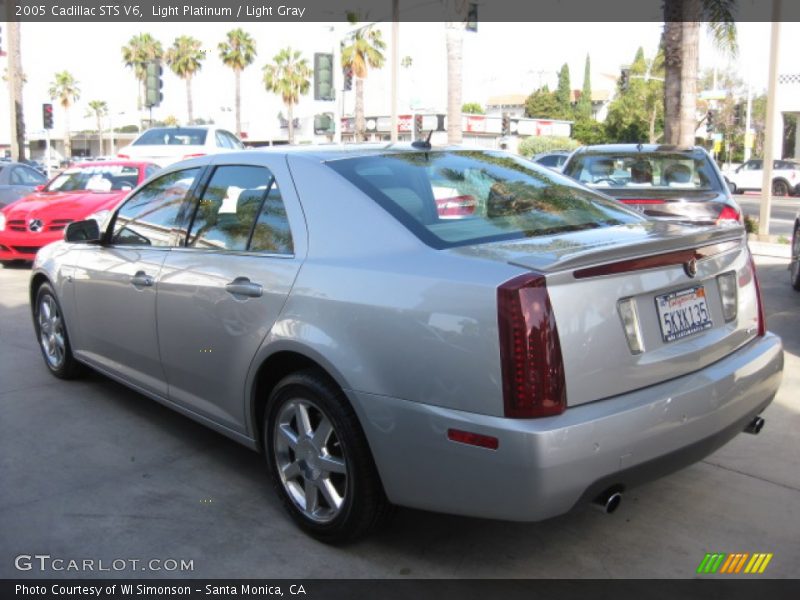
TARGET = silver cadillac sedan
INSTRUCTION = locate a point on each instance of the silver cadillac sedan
(446, 329)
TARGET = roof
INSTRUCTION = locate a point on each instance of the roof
(597, 95)
(648, 148)
(507, 100)
(326, 152)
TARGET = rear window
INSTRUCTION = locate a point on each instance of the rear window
(174, 136)
(662, 170)
(461, 198)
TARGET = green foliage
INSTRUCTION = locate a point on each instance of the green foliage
(750, 224)
(583, 109)
(564, 92)
(588, 131)
(542, 104)
(64, 88)
(472, 108)
(185, 56)
(637, 113)
(238, 50)
(546, 143)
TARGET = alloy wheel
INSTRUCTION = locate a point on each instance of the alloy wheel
(51, 332)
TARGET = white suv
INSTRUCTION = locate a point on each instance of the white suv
(167, 145)
(785, 177)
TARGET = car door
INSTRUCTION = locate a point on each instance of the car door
(220, 294)
(750, 175)
(115, 283)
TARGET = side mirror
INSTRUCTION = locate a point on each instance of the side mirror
(39, 187)
(82, 231)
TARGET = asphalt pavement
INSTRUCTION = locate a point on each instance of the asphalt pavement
(782, 214)
(90, 470)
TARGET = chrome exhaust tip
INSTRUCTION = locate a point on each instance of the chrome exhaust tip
(608, 501)
(755, 426)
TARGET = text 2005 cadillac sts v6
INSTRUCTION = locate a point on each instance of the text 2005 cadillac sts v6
(324, 305)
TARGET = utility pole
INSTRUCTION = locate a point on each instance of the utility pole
(395, 61)
(769, 129)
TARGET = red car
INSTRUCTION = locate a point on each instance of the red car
(78, 193)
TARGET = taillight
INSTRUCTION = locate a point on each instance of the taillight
(193, 155)
(729, 213)
(762, 317)
(530, 350)
(125, 156)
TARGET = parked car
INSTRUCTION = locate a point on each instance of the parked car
(749, 177)
(553, 347)
(17, 180)
(166, 145)
(554, 160)
(794, 266)
(664, 182)
(87, 189)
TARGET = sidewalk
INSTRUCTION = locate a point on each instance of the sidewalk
(770, 249)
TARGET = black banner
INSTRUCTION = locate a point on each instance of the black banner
(268, 11)
(394, 589)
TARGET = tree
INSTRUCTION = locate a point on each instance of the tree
(140, 49)
(564, 93)
(584, 106)
(16, 79)
(365, 51)
(289, 77)
(98, 109)
(681, 41)
(542, 104)
(238, 52)
(472, 108)
(185, 58)
(635, 113)
(64, 89)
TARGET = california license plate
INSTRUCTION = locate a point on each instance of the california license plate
(683, 313)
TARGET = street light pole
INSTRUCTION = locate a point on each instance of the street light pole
(769, 129)
(395, 61)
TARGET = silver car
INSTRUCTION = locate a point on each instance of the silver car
(552, 346)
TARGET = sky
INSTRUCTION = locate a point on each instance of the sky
(501, 58)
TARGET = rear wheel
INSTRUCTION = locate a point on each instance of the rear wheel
(51, 331)
(319, 459)
(780, 188)
(794, 267)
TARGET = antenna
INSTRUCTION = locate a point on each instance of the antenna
(423, 144)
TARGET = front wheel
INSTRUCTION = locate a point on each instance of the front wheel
(794, 267)
(319, 459)
(51, 331)
(780, 188)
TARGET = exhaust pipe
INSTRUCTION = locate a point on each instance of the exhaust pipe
(608, 501)
(755, 426)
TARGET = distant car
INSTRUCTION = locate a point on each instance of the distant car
(91, 189)
(17, 180)
(552, 347)
(665, 182)
(166, 145)
(794, 267)
(748, 177)
(554, 160)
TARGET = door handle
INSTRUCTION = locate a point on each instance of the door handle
(142, 279)
(242, 286)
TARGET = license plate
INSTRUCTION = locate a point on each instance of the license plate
(683, 313)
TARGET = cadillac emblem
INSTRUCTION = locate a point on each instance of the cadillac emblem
(691, 267)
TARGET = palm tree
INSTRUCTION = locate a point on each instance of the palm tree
(16, 79)
(366, 50)
(64, 88)
(185, 58)
(289, 77)
(141, 48)
(238, 52)
(681, 41)
(98, 109)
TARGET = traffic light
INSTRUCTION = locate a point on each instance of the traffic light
(323, 76)
(738, 114)
(417, 127)
(505, 128)
(710, 121)
(625, 78)
(472, 17)
(347, 75)
(47, 116)
(153, 84)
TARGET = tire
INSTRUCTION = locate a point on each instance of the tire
(322, 470)
(794, 266)
(51, 332)
(780, 188)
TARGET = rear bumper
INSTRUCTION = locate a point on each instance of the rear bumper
(543, 467)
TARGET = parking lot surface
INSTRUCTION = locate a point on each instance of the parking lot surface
(92, 470)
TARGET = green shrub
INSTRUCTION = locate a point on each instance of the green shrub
(546, 143)
(750, 224)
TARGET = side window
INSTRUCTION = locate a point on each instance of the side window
(148, 218)
(241, 209)
(233, 141)
(151, 170)
(222, 142)
(25, 176)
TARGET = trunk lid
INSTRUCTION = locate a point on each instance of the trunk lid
(664, 274)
